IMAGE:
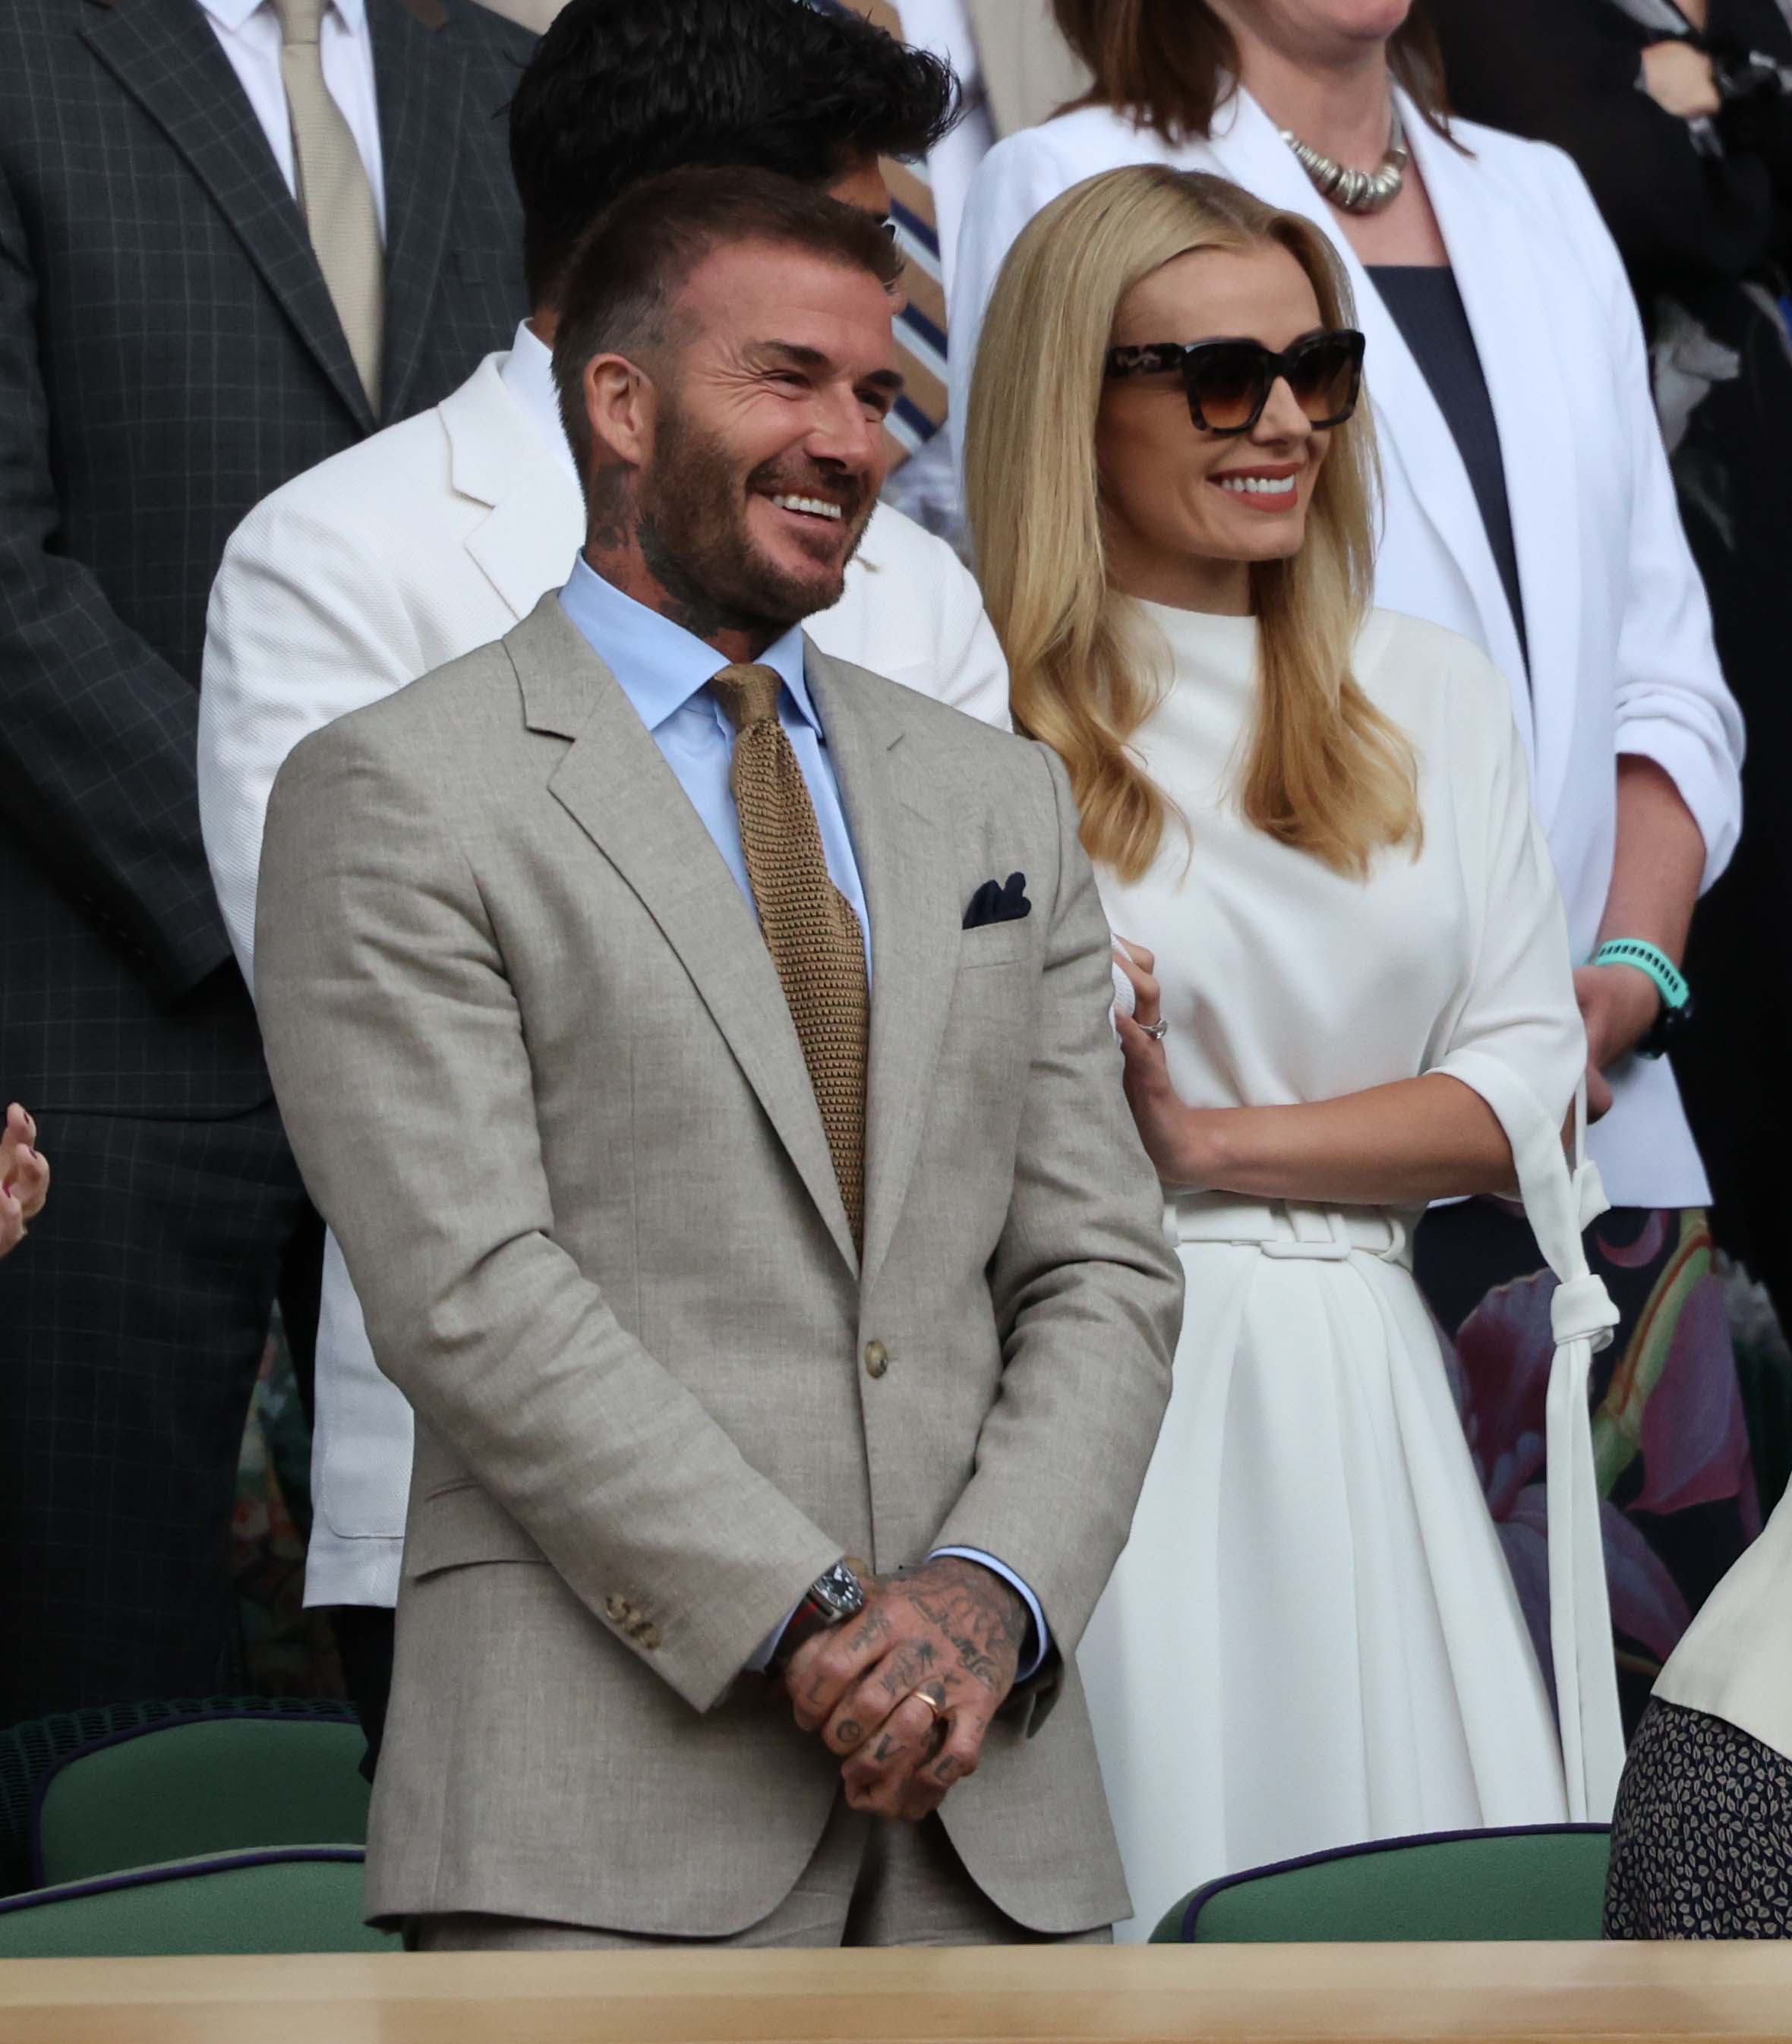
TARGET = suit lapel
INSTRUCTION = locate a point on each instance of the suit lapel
(495, 457)
(617, 788)
(422, 83)
(903, 839)
(1508, 306)
(165, 55)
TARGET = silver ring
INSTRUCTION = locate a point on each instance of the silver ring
(1157, 1031)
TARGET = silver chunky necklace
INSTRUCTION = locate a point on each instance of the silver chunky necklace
(1356, 191)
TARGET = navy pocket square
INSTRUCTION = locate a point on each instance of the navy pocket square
(994, 903)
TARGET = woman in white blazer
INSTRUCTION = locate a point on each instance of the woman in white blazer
(1526, 505)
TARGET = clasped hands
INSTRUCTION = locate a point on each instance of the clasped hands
(25, 1177)
(904, 1692)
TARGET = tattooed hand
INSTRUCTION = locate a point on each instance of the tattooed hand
(950, 1631)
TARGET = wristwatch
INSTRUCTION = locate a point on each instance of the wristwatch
(834, 1597)
(1676, 1012)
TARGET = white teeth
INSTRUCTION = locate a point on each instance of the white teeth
(1258, 485)
(818, 507)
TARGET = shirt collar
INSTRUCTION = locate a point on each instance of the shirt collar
(528, 374)
(233, 13)
(659, 665)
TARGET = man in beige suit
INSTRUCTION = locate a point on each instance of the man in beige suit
(714, 1249)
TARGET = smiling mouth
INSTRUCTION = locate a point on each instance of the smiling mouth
(810, 507)
(1253, 483)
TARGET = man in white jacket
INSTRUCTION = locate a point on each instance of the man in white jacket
(437, 535)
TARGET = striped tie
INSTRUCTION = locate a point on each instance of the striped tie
(920, 327)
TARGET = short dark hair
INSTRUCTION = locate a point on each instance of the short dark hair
(627, 271)
(620, 90)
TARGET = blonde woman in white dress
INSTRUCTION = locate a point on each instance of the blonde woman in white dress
(1353, 996)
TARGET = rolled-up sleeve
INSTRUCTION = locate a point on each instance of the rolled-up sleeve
(1674, 706)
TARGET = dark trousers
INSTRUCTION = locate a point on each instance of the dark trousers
(132, 1320)
(363, 1645)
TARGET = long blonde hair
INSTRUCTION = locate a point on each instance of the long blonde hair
(1326, 772)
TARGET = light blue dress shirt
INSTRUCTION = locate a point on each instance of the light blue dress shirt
(665, 672)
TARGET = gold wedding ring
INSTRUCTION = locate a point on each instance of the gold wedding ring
(921, 1696)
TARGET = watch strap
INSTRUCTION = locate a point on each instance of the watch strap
(1670, 982)
(810, 1616)
(815, 1613)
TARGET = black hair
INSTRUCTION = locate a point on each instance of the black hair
(627, 270)
(620, 90)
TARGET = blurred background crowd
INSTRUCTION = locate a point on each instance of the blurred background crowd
(241, 237)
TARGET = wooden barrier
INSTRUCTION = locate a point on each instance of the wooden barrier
(1225, 1994)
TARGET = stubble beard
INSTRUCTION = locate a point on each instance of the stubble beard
(695, 538)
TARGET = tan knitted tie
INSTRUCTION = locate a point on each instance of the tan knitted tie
(814, 938)
(333, 192)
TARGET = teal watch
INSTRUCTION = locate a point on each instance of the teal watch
(1670, 983)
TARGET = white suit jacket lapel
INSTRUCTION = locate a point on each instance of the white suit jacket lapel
(538, 519)
(1420, 450)
(1502, 273)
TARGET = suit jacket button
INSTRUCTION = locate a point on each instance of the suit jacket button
(877, 1358)
(648, 1636)
(615, 1608)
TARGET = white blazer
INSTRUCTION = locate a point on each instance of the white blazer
(1619, 633)
(404, 553)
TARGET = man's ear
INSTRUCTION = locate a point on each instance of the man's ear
(619, 408)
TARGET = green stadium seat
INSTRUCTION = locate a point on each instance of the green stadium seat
(301, 1899)
(185, 1787)
(1543, 1882)
(30, 1750)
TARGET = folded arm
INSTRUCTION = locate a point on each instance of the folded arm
(1434, 1136)
(397, 1052)
(1403, 1144)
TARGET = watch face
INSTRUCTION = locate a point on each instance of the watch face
(840, 1592)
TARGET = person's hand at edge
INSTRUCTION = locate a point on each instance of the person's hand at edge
(25, 1178)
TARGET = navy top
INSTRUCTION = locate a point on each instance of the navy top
(1427, 308)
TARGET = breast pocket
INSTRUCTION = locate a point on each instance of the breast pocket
(996, 943)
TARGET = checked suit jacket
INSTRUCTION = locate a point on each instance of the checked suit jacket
(542, 1081)
(169, 354)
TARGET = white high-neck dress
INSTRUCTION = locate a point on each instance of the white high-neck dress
(1313, 1640)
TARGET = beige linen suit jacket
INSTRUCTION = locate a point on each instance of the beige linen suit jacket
(542, 1081)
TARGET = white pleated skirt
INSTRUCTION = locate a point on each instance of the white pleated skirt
(1312, 1639)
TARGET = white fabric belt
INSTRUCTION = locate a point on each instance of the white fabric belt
(1292, 1228)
